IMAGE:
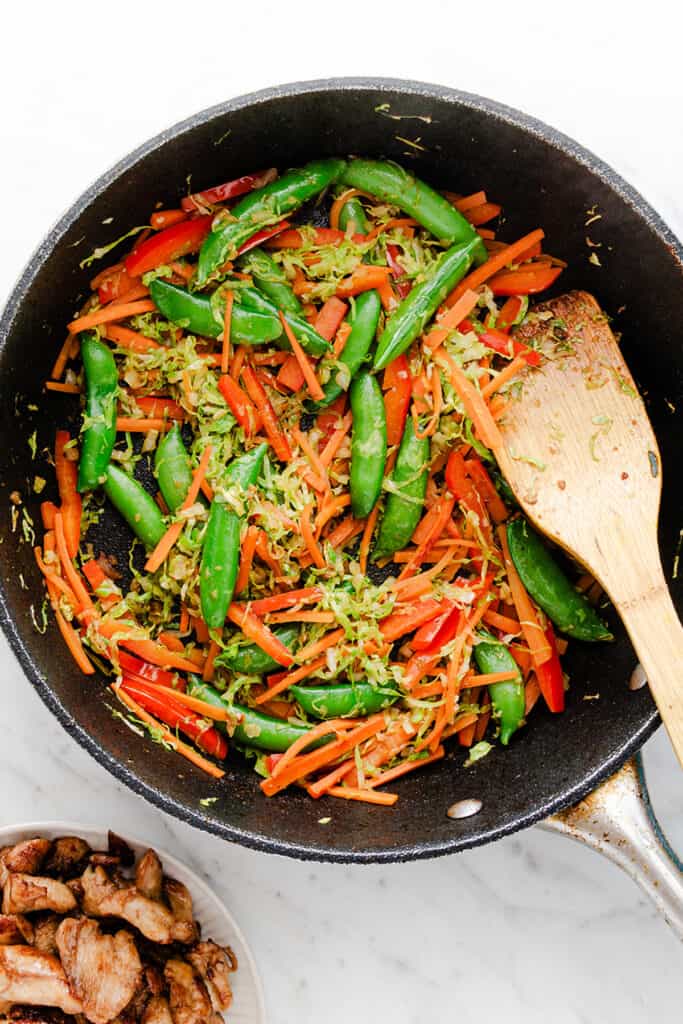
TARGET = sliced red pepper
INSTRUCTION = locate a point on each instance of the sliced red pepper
(527, 280)
(427, 634)
(113, 287)
(502, 343)
(460, 484)
(262, 235)
(290, 375)
(239, 404)
(330, 419)
(272, 759)
(168, 245)
(549, 675)
(478, 473)
(228, 190)
(157, 408)
(131, 665)
(512, 307)
(177, 716)
(397, 387)
(402, 287)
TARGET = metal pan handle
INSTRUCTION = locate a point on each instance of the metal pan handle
(618, 821)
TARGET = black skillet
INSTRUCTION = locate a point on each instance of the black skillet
(456, 141)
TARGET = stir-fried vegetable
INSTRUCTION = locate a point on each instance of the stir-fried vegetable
(337, 579)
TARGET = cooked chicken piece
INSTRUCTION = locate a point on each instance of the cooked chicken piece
(103, 970)
(154, 980)
(28, 976)
(157, 1011)
(180, 901)
(149, 875)
(214, 965)
(188, 998)
(15, 929)
(45, 933)
(67, 857)
(27, 856)
(24, 893)
(118, 847)
(102, 898)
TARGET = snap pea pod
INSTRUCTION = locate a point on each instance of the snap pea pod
(507, 697)
(569, 610)
(352, 215)
(173, 468)
(363, 318)
(254, 729)
(309, 339)
(368, 444)
(136, 505)
(270, 278)
(404, 503)
(393, 184)
(413, 314)
(344, 700)
(195, 313)
(99, 418)
(221, 548)
(251, 660)
(260, 208)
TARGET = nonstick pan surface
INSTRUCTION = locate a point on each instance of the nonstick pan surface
(461, 142)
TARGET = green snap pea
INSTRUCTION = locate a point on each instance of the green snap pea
(507, 697)
(368, 444)
(393, 184)
(99, 420)
(136, 505)
(344, 700)
(352, 215)
(569, 610)
(254, 729)
(363, 318)
(195, 312)
(270, 278)
(306, 335)
(412, 315)
(221, 548)
(261, 208)
(404, 503)
(251, 660)
(173, 468)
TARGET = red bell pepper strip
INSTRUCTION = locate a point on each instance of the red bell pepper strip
(512, 308)
(402, 287)
(427, 634)
(104, 588)
(479, 476)
(397, 386)
(168, 245)
(228, 190)
(262, 235)
(176, 716)
(459, 483)
(133, 666)
(114, 286)
(502, 343)
(549, 675)
(526, 280)
(157, 408)
(240, 405)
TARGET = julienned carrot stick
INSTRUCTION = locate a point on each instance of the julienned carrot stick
(66, 472)
(72, 576)
(257, 393)
(124, 635)
(402, 769)
(301, 616)
(469, 202)
(306, 595)
(472, 400)
(366, 539)
(363, 278)
(451, 319)
(116, 311)
(309, 537)
(320, 786)
(314, 459)
(247, 550)
(514, 367)
(537, 643)
(52, 579)
(255, 630)
(63, 358)
(496, 262)
(330, 317)
(367, 796)
(334, 444)
(168, 540)
(314, 387)
(225, 350)
(73, 642)
(208, 671)
(141, 424)
(288, 679)
(169, 737)
(486, 678)
(216, 714)
(315, 648)
(133, 341)
(508, 625)
(330, 509)
(66, 389)
(334, 727)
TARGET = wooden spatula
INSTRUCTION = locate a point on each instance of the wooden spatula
(581, 457)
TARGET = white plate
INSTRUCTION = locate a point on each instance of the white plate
(248, 1006)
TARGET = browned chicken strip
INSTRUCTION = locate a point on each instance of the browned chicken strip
(15, 930)
(214, 965)
(103, 970)
(102, 898)
(25, 893)
(28, 976)
(148, 875)
(45, 933)
(27, 856)
(188, 999)
(157, 1011)
(67, 856)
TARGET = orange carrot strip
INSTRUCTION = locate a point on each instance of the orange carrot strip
(47, 514)
(508, 625)
(338, 206)
(214, 650)
(309, 537)
(330, 510)
(363, 278)
(394, 222)
(330, 317)
(483, 213)
(216, 714)
(276, 436)
(287, 679)
(315, 648)
(73, 642)
(532, 691)
(534, 635)
(141, 424)
(509, 371)
(52, 579)
(475, 406)
(402, 769)
(451, 319)
(66, 389)
(247, 549)
(465, 203)
(116, 311)
(72, 576)
(334, 726)
(314, 388)
(340, 339)
(255, 630)
(171, 641)
(275, 603)
(320, 786)
(169, 539)
(367, 796)
(133, 341)
(301, 616)
(335, 442)
(66, 471)
(168, 736)
(63, 358)
(366, 539)
(225, 351)
(491, 677)
(495, 263)
(309, 451)
(346, 531)
(148, 650)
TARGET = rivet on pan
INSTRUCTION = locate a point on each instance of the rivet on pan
(638, 678)
(464, 808)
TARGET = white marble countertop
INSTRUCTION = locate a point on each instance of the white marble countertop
(534, 928)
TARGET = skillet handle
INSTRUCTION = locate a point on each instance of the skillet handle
(618, 821)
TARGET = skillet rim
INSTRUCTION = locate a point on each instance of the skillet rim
(21, 291)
